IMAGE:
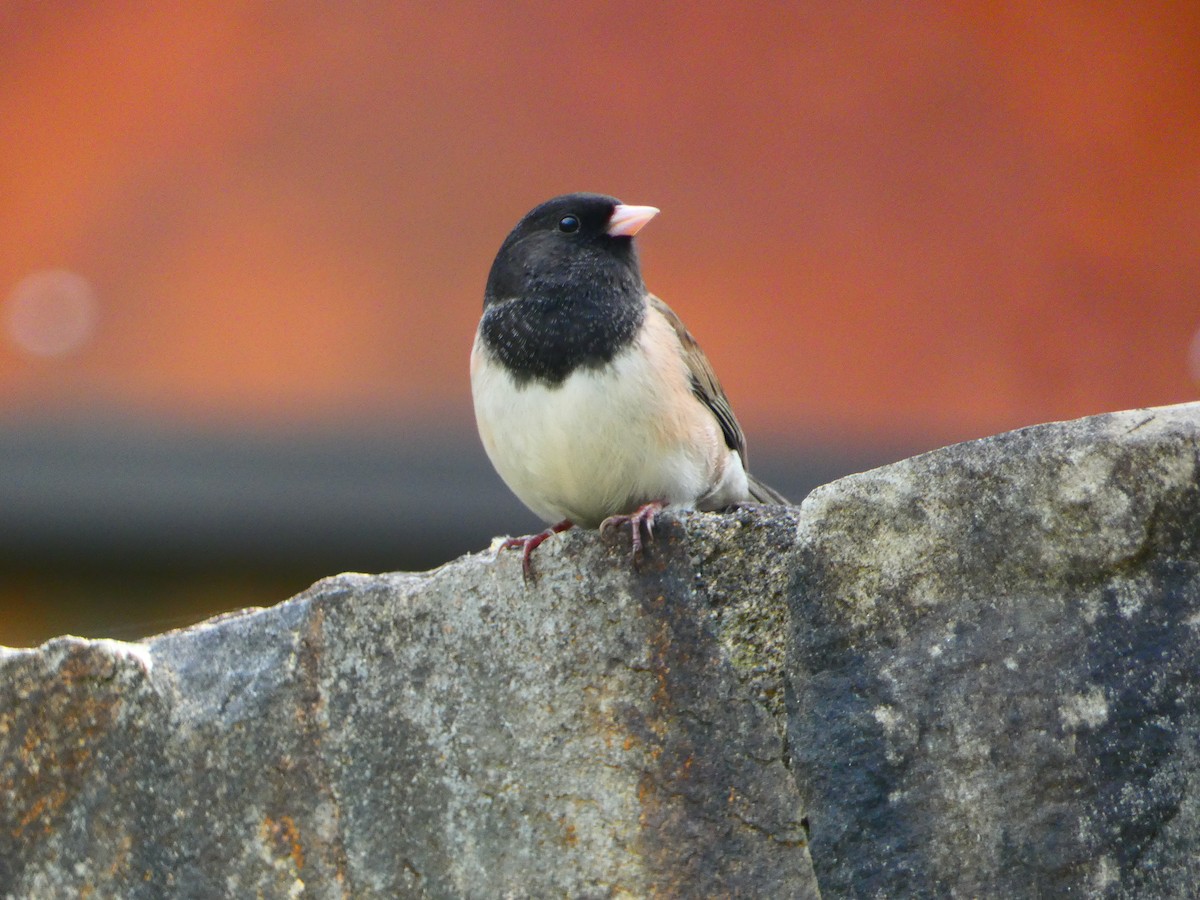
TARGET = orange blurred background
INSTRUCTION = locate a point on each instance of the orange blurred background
(234, 232)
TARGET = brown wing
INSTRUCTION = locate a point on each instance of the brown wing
(704, 380)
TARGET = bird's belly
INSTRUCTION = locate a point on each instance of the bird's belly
(602, 442)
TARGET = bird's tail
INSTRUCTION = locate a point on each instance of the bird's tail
(762, 493)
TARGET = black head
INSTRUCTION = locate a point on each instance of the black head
(568, 245)
(565, 290)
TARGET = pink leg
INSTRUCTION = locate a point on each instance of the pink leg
(529, 542)
(642, 516)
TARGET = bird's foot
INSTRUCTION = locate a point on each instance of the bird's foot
(530, 541)
(642, 517)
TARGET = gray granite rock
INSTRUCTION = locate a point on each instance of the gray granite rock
(995, 666)
(454, 734)
(989, 656)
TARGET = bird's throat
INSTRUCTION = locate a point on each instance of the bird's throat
(546, 337)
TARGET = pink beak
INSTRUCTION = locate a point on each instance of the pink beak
(626, 221)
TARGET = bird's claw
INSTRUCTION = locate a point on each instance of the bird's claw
(530, 542)
(642, 517)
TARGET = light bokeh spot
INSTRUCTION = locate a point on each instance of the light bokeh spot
(51, 313)
(1194, 357)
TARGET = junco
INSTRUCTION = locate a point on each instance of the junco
(594, 402)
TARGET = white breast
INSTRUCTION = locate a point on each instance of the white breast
(606, 439)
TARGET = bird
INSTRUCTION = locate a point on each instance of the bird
(593, 401)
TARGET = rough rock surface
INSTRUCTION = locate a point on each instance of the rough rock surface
(453, 734)
(990, 656)
(995, 666)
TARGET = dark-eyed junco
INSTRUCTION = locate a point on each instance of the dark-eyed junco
(594, 403)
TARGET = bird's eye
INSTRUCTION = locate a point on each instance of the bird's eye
(568, 224)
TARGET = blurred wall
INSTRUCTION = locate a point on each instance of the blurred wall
(889, 224)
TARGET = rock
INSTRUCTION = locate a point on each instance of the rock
(972, 673)
(453, 734)
(995, 666)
